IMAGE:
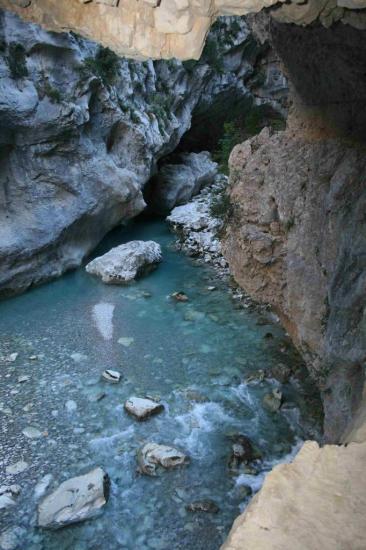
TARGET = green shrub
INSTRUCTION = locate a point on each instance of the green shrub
(220, 206)
(104, 64)
(212, 55)
(17, 60)
(232, 135)
(53, 93)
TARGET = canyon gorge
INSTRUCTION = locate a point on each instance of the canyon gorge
(90, 140)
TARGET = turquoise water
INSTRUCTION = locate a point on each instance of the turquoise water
(195, 356)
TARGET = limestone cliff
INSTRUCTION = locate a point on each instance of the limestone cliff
(171, 28)
(81, 133)
(297, 236)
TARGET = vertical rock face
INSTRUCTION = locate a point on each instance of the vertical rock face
(297, 237)
(81, 131)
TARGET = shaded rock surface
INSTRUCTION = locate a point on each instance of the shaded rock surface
(296, 240)
(208, 506)
(152, 455)
(126, 262)
(176, 184)
(75, 500)
(81, 133)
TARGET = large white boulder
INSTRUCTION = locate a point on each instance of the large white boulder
(75, 500)
(126, 262)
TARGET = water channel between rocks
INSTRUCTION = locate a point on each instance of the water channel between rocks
(195, 356)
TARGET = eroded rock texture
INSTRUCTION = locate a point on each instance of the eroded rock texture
(81, 132)
(297, 237)
(318, 501)
(171, 28)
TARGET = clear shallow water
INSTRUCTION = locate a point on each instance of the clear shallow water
(194, 355)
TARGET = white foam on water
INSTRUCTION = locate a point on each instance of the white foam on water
(256, 481)
(103, 318)
(202, 419)
(108, 443)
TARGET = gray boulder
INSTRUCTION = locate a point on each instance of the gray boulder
(75, 500)
(176, 184)
(152, 455)
(126, 262)
(142, 408)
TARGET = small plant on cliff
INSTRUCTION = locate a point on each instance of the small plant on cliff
(231, 137)
(53, 93)
(220, 206)
(16, 60)
(104, 64)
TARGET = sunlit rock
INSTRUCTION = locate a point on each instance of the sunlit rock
(75, 500)
(126, 262)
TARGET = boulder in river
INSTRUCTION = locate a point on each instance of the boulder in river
(242, 451)
(75, 500)
(152, 455)
(205, 505)
(126, 262)
(272, 401)
(142, 408)
(180, 297)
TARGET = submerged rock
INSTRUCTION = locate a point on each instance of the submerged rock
(126, 262)
(242, 451)
(152, 455)
(32, 433)
(180, 297)
(75, 500)
(111, 376)
(7, 495)
(142, 408)
(272, 401)
(17, 468)
(205, 505)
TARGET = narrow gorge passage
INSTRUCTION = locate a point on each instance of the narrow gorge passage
(194, 356)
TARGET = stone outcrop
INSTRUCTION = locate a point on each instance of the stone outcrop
(296, 237)
(76, 499)
(171, 28)
(317, 501)
(176, 184)
(81, 133)
(126, 262)
(295, 241)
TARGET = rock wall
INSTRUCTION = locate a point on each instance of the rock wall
(318, 501)
(297, 237)
(81, 132)
(171, 28)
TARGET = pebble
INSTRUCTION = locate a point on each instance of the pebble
(126, 341)
(23, 378)
(17, 468)
(71, 406)
(111, 376)
(32, 433)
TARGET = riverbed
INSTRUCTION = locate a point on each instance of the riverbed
(194, 356)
